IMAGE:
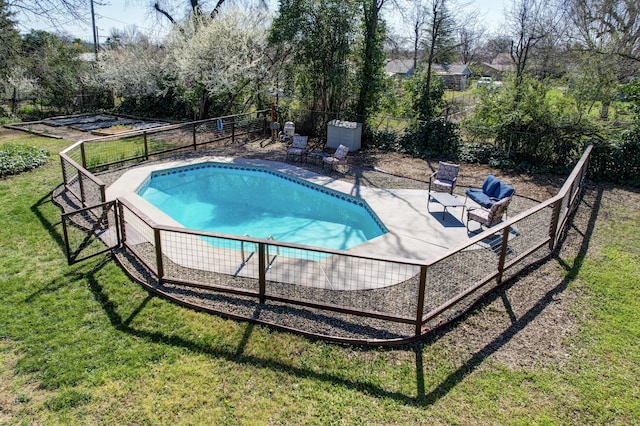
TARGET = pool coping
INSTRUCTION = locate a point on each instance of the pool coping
(419, 234)
(415, 233)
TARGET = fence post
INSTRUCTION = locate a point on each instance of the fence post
(159, 264)
(553, 227)
(67, 246)
(81, 185)
(146, 145)
(195, 144)
(64, 172)
(122, 233)
(503, 253)
(233, 130)
(83, 156)
(262, 266)
(421, 291)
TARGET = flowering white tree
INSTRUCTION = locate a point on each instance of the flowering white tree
(221, 60)
(131, 67)
(18, 85)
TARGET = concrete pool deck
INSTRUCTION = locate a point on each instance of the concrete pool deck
(417, 231)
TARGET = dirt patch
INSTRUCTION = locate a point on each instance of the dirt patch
(18, 395)
(40, 129)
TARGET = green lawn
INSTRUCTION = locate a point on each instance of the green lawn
(85, 345)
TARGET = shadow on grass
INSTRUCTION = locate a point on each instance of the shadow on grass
(516, 326)
(46, 223)
(423, 397)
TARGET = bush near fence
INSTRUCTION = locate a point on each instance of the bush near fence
(617, 161)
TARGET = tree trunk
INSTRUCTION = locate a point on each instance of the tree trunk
(604, 111)
(14, 101)
(204, 105)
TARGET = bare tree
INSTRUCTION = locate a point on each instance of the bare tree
(607, 27)
(416, 16)
(173, 9)
(470, 37)
(531, 21)
(606, 41)
(54, 11)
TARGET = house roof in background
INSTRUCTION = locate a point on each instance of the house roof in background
(452, 69)
(402, 66)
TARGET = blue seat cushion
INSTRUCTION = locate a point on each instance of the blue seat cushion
(493, 190)
(480, 197)
(505, 191)
(491, 186)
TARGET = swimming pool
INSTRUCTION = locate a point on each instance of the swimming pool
(262, 203)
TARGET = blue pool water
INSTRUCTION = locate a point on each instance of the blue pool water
(262, 203)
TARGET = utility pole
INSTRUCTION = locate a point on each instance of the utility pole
(95, 31)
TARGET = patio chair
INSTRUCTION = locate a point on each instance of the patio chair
(492, 191)
(339, 157)
(444, 179)
(488, 216)
(298, 147)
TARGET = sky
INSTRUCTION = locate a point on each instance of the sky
(125, 14)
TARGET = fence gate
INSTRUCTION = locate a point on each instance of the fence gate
(91, 231)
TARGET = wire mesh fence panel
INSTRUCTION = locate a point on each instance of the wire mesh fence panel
(74, 153)
(450, 277)
(356, 283)
(112, 150)
(176, 138)
(90, 231)
(570, 193)
(130, 146)
(138, 235)
(70, 177)
(531, 259)
(135, 147)
(92, 190)
(390, 124)
(85, 187)
(217, 131)
(202, 259)
(528, 233)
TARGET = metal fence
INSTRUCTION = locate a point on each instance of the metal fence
(332, 294)
(83, 158)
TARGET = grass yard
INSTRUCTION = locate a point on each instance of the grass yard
(85, 345)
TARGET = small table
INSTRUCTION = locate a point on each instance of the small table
(447, 200)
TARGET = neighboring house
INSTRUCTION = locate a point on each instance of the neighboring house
(454, 76)
(498, 67)
(402, 68)
(495, 71)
